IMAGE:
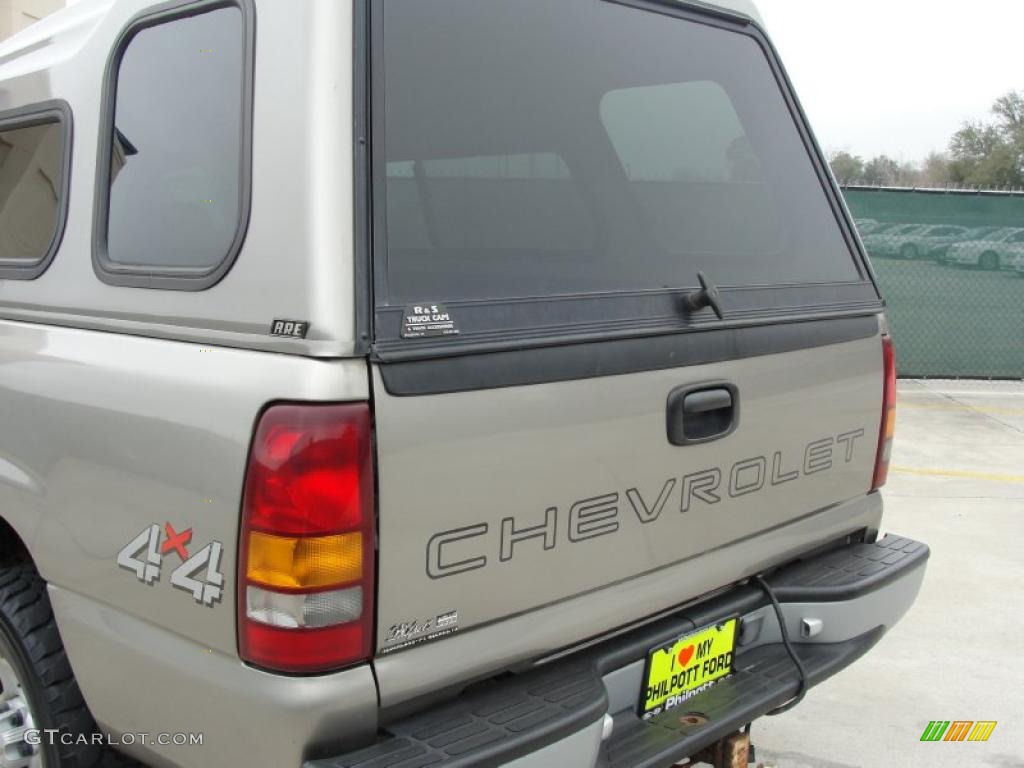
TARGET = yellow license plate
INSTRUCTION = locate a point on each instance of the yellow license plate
(689, 666)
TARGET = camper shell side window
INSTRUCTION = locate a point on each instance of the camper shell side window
(35, 171)
(174, 165)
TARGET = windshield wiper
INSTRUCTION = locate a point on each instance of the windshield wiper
(706, 296)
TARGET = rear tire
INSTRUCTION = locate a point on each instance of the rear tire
(908, 251)
(989, 261)
(39, 689)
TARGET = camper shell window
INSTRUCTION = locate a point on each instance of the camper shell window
(35, 158)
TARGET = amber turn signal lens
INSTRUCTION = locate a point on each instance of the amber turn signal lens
(304, 563)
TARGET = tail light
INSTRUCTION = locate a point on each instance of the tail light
(888, 426)
(306, 565)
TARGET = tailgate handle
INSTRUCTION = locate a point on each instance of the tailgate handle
(708, 400)
(702, 413)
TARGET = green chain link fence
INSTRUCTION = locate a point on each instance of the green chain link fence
(951, 267)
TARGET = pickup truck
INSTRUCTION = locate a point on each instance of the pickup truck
(427, 383)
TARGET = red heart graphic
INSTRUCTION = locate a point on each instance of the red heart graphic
(685, 655)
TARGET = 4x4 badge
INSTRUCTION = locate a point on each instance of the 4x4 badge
(144, 556)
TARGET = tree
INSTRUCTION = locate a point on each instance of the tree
(935, 171)
(881, 170)
(991, 154)
(973, 142)
(847, 168)
(982, 154)
(907, 175)
(1010, 111)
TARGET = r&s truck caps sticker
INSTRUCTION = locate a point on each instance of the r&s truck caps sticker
(422, 321)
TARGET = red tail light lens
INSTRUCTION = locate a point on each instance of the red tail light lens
(306, 565)
(888, 426)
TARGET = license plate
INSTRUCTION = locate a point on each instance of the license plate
(689, 666)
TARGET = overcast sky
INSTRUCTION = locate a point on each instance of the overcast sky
(897, 76)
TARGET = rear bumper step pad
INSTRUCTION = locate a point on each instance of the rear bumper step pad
(848, 572)
(491, 724)
(500, 720)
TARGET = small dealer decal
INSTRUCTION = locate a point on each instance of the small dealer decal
(422, 321)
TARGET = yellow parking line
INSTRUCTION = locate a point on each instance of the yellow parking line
(951, 407)
(990, 476)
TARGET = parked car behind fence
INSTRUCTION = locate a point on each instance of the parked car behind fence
(1001, 249)
(913, 241)
(949, 322)
(867, 226)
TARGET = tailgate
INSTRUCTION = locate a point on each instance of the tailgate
(497, 501)
(559, 405)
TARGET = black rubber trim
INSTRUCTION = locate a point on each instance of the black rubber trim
(494, 325)
(515, 715)
(362, 207)
(610, 358)
(55, 111)
(705, 9)
(765, 678)
(171, 278)
(848, 572)
(491, 725)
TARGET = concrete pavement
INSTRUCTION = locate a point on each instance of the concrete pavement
(957, 483)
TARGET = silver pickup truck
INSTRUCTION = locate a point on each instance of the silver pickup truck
(426, 383)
